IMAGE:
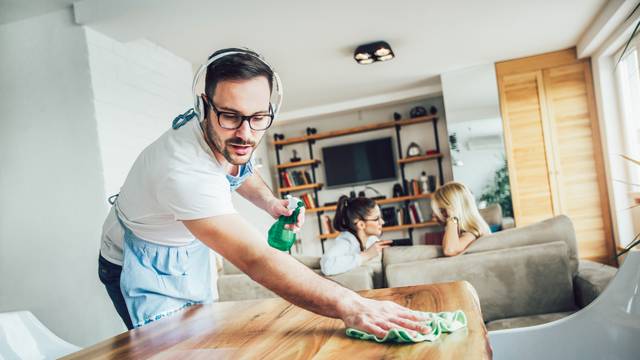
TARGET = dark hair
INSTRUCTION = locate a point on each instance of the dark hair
(242, 66)
(349, 210)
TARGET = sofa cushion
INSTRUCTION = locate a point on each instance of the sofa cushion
(524, 321)
(402, 254)
(521, 281)
(558, 228)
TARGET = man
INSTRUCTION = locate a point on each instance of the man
(179, 190)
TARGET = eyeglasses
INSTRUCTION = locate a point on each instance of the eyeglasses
(232, 121)
(375, 219)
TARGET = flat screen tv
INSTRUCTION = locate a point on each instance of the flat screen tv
(359, 163)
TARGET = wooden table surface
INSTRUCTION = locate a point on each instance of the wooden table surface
(275, 329)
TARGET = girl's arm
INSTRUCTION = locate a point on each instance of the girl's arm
(453, 242)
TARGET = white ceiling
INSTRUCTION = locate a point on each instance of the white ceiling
(311, 43)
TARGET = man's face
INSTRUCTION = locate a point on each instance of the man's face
(243, 97)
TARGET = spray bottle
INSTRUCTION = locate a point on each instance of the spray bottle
(280, 237)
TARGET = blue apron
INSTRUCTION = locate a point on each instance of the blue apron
(158, 280)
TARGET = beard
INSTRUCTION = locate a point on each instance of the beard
(224, 147)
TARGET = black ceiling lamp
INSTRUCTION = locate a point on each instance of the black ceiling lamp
(372, 52)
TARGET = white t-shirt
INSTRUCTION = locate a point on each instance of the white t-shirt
(175, 178)
(344, 255)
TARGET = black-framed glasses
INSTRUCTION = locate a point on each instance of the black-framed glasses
(374, 219)
(231, 121)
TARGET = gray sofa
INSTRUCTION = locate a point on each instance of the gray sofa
(235, 285)
(524, 276)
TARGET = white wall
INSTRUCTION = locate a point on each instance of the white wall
(138, 89)
(422, 134)
(51, 182)
(478, 163)
(473, 112)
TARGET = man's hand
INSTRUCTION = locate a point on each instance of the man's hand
(378, 317)
(277, 207)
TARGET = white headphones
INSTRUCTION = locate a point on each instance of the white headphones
(197, 110)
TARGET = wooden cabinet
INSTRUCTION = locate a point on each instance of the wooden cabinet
(553, 146)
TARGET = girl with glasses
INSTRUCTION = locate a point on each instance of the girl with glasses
(454, 207)
(360, 224)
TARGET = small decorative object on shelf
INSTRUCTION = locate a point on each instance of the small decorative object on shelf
(397, 116)
(311, 131)
(295, 157)
(432, 183)
(432, 152)
(397, 190)
(417, 111)
(433, 110)
(424, 183)
(277, 136)
(413, 150)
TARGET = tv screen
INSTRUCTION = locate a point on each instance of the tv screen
(358, 163)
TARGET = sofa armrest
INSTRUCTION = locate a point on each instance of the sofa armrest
(592, 278)
(360, 278)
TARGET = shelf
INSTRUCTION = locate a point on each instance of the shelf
(356, 130)
(389, 228)
(297, 164)
(300, 187)
(419, 158)
(379, 202)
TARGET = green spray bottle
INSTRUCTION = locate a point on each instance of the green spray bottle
(279, 237)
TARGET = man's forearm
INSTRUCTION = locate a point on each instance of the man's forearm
(299, 285)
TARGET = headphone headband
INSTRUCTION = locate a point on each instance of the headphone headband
(275, 79)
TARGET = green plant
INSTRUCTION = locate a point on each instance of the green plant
(499, 191)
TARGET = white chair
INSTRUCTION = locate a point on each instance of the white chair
(608, 328)
(22, 336)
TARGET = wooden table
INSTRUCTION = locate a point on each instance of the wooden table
(275, 329)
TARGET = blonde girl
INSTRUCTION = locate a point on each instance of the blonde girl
(455, 208)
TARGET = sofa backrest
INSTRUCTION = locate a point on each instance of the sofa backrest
(312, 262)
(518, 281)
(558, 228)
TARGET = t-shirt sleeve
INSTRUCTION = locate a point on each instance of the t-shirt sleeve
(193, 196)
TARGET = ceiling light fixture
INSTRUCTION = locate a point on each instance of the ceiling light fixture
(372, 52)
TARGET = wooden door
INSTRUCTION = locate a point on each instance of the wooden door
(522, 112)
(576, 154)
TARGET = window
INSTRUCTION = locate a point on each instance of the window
(628, 76)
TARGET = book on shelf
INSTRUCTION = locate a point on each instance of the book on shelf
(297, 178)
(309, 201)
(326, 224)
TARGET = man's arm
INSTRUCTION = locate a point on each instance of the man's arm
(235, 239)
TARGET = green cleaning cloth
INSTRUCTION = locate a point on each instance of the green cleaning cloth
(443, 322)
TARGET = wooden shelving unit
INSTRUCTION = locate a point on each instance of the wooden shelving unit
(379, 202)
(389, 228)
(312, 136)
(419, 158)
(355, 130)
(299, 188)
(301, 163)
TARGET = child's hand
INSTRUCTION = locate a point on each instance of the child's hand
(376, 249)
